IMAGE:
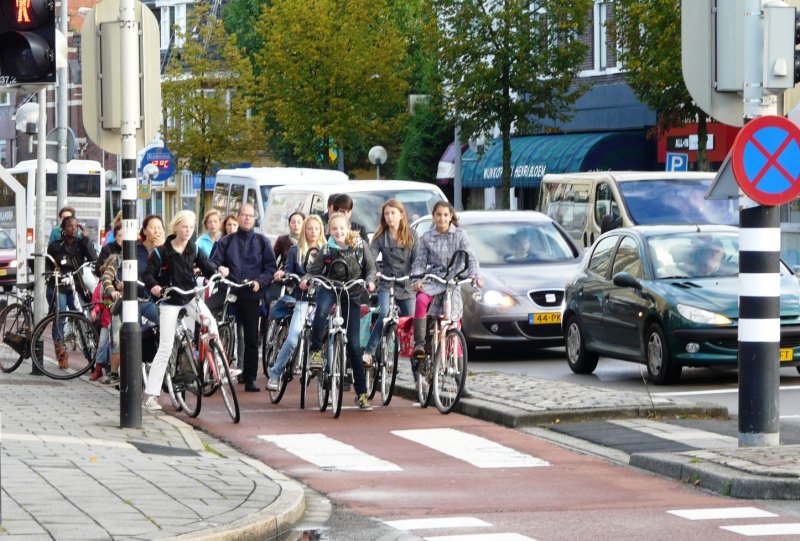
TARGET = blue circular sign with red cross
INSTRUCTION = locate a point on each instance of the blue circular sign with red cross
(766, 160)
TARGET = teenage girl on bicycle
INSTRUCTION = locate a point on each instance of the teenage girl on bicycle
(311, 238)
(436, 247)
(398, 246)
(173, 265)
(346, 246)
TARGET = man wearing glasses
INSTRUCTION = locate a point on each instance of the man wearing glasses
(247, 255)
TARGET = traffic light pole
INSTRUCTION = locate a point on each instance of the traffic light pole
(62, 75)
(130, 334)
(759, 269)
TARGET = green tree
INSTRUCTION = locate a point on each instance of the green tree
(509, 63)
(332, 73)
(205, 99)
(427, 134)
(648, 37)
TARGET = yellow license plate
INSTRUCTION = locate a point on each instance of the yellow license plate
(786, 354)
(544, 318)
(3, 272)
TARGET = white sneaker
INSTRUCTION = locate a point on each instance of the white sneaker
(273, 385)
(151, 403)
(367, 359)
(234, 372)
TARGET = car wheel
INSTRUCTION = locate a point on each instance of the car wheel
(660, 366)
(580, 360)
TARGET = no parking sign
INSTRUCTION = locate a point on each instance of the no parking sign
(766, 160)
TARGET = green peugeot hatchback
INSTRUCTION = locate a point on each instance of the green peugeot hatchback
(666, 296)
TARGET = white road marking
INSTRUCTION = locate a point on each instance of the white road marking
(720, 513)
(481, 537)
(753, 530)
(328, 453)
(692, 437)
(719, 391)
(475, 450)
(433, 523)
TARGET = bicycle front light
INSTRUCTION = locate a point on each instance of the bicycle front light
(338, 321)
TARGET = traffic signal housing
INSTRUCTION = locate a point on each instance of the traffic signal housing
(781, 36)
(27, 42)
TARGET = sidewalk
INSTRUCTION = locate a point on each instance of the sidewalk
(67, 471)
(760, 473)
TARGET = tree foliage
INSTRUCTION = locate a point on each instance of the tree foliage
(238, 16)
(332, 73)
(427, 134)
(510, 63)
(648, 37)
(206, 102)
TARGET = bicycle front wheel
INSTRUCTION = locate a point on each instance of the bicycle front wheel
(15, 328)
(450, 371)
(168, 375)
(187, 387)
(64, 345)
(390, 351)
(337, 375)
(226, 387)
(227, 337)
(301, 360)
(424, 382)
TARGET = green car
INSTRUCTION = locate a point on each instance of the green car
(667, 296)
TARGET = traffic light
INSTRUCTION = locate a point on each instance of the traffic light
(27, 42)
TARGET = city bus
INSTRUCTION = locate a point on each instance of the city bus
(86, 193)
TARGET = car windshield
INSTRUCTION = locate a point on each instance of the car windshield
(367, 205)
(518, 243)
(6, 240)
(695, 255)
(676, 201)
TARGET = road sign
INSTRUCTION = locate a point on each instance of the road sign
(677, 161)
(161, 158)
(766, 160)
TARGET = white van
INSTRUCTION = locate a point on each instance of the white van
(368, 196)
(253, 184)
(582, 202)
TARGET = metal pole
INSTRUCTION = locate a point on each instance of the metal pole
(62, 100)
(457, 169)
(130, 335)
(759, 272)
(40, 246)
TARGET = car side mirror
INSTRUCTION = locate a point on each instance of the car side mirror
(624, 279)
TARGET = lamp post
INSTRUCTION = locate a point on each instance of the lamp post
(378, 156)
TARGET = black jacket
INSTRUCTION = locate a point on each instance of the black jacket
(166, 267)
(69, 257)
(248, 256)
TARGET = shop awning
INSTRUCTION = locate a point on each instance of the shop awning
(533, 156)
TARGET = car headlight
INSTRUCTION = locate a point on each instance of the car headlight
(498, 298)
(698, 315)
(13, 263)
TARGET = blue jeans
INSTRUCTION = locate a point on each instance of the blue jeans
(406, 309)
(352, 320)
(148, 310)
(292, 336)
(66, 301)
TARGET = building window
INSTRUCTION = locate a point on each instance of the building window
(600, 35)
(5, 98)
(172, 22)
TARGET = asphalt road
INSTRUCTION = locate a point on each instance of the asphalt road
(717, 386)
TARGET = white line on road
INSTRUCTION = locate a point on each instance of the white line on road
(692, 437)
(753, 530)
(720, 513)
(329, 454)
(481, 537)
(472, 449)
(433, 523)
(719, 391)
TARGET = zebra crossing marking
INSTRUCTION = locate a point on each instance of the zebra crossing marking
(329, 454)
(475, 450)
(721, 513)
(434, 523)
(753, 530)
(692, 437)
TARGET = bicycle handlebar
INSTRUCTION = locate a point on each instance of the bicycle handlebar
(329, 284)
(393, 278)
(194, 291)
(231, 283)
(448, 281)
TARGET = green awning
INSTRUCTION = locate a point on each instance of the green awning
(533, 156)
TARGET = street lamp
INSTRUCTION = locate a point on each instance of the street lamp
(378, 156)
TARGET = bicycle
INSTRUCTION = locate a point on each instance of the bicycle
(298, 363)
(384, 366)
(187, 390)
(273, 339)
(227, 328)
(330, 380)
(443, 372)
(16, 326)
(60, 334)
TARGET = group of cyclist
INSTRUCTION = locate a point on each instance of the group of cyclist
(330, 245)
